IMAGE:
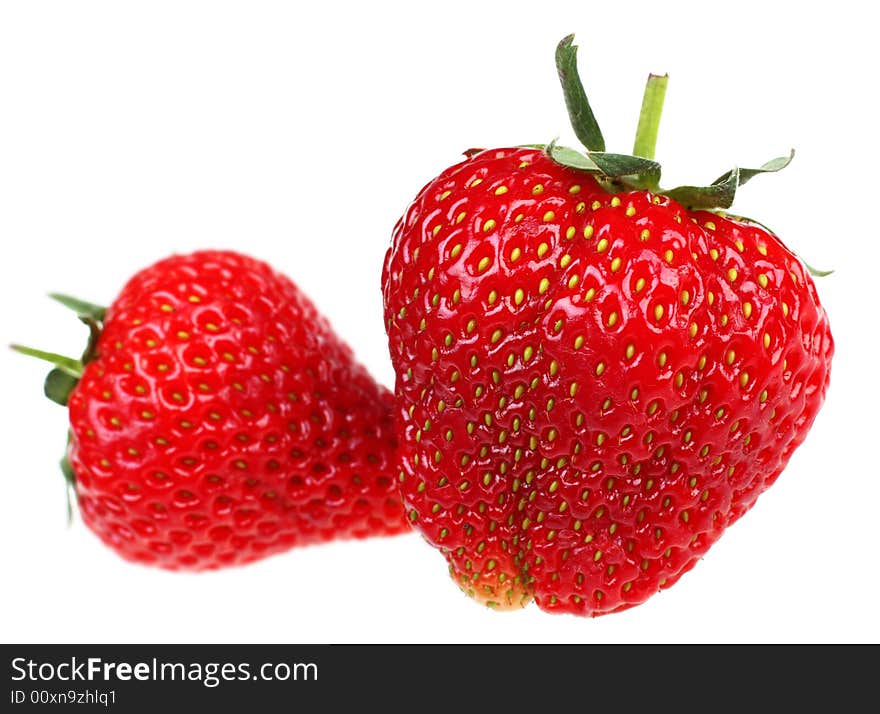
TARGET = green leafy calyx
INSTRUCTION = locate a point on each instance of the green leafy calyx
(637, 170)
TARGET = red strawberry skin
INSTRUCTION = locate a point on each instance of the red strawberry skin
(223, 421)
(592, 386)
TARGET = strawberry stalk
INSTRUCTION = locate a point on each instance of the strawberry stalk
(649, 116)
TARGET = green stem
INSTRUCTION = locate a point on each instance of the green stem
(649, 116)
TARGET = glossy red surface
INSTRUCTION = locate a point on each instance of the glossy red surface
(591, 386)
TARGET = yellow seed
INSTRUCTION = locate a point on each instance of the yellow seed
(667, 256)
(602, 245)
(685, 297)
(543, 286)
(713, 253)
(630, 351)
(542, 250)
(573, 281)
(615, 264)
(630, 211)
(612, 319)
(575, 189)
(615, 201)
(493, 297)
(460, 217)
(730, 356)
(572, 390)
(762, 249)
(578, 342)
(549, 216)
(766, 340)
(519, 296)
(528, 353)
(763, 280)
(710, 225)
(588, 232)
(692, 330)
(658, 312)
(483, 264)
(640, 285)
(645, 234)
(747, 309)
(785, 309)
(590, 294)
(554, 368)
(501, 190)
(515, 255)
(537, 189)
(732, 274)
(435, 230)
(496, 336)
(456, 251)
(565, 261)
(569, 232)
(600, 369)
(471, 326)
(475, 182)
(744, 379)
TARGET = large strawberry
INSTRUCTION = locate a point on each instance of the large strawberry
(216, 418)
(595, 377)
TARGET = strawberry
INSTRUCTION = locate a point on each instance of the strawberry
(216, 419)
(595, 377)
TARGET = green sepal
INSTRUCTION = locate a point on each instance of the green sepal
(642, 172)
(771, 166)
(716, 195)
(58, 386)
(721, 192)
(66, 373)
(70, 482)
(71, 366)
(82, 308)
(815, 272)
(570, 157)
(583, 121)
(645, 171)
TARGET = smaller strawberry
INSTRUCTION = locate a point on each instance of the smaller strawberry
(216, 419)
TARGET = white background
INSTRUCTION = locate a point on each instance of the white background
(298, 132)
